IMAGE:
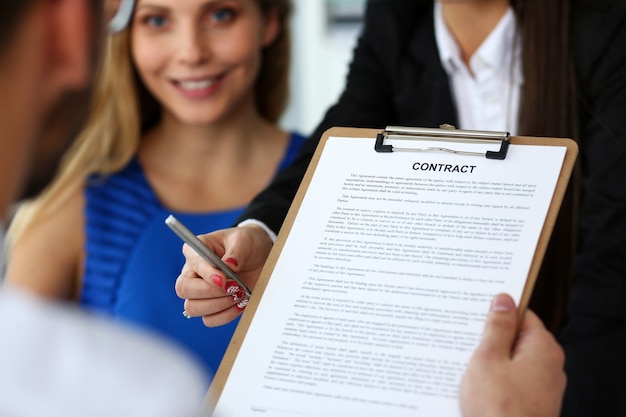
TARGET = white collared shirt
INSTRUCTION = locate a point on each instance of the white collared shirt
(486, 94)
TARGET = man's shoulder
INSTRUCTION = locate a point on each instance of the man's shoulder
(56, 359)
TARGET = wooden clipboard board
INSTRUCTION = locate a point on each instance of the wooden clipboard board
(222, 374)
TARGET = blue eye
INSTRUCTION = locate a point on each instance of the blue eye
(155, 21)
(222, 15)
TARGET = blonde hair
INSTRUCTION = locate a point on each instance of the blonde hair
(122, 108)
(106, 144)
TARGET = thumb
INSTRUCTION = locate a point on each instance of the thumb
(501, 327)
(246, 248)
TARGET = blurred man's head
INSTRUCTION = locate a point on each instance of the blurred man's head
(46, 50)
(48, 54)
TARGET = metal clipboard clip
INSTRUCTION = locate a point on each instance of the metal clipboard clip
(445, 133)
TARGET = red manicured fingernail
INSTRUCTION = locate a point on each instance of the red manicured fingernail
(217, 280)
(241, 305)
(236, 292)
(232, 261)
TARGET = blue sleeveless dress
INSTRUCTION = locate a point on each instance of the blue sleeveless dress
(133, 259)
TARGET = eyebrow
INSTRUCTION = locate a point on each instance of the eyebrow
(205, 5)
(151, 7)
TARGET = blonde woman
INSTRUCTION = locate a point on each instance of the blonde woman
(183, 121)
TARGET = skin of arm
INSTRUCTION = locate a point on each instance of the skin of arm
(511, 373)
(47, 258)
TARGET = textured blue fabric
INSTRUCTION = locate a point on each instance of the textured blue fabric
(133, 259)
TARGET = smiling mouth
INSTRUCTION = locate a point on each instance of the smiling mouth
(196, 84)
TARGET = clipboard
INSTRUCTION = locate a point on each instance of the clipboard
(450, 139)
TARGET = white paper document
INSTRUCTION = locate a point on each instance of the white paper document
(381, 290)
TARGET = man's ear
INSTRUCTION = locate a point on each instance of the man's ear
(68, 41)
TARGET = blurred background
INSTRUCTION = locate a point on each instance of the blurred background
(324, 34)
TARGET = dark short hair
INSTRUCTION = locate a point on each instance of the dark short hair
(11, 12)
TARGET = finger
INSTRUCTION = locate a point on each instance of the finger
(221, 318)
(188, 271)
(236, 254)
(195, 288)
(208, 307)
(534, 337)
(201, 268)
(246, 248)
(531, 322)
(501, 327)
(236, 292)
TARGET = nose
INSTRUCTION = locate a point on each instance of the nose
(193, 48)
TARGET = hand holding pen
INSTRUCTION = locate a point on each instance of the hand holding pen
(208, 291)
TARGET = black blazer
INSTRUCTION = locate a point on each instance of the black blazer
(396, 78)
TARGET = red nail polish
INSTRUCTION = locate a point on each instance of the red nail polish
(232, 261)
(241, 305)
(217, 280)
(235, 291)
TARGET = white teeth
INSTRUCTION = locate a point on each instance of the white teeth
(195, 85)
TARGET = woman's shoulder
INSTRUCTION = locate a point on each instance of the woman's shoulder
(120, 188)
(49, 213)
(131, 172)
(296, 140)
(37, 261)
(599, 35)
(119, 202)
(296, 137)
(397, 17)
(399, 8)
(599, 4)
(597, 19)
